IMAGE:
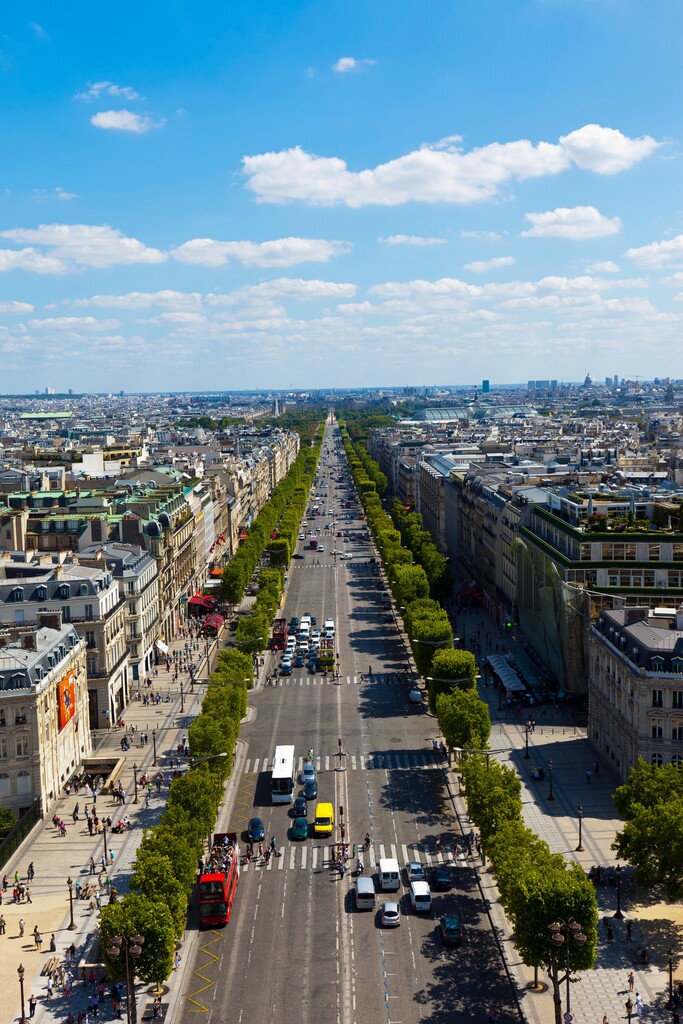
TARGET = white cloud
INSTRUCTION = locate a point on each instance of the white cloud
(437, 173)
(44, 195)
(604, 267)
(479, 266)
(72, 246)
(97, 89)
(280, 252)
(578, 222)
(674, 280)
(142, 300)
(294, 289)
(38, 30)
(346, 64)
(73, 323)
(488, 236)
(657, 254)
(179, 318)
(124, 121)
(8, 306)
(417, 240)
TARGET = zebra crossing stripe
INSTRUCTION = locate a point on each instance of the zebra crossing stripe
(304, 851)
(314, 858)
(292, 858)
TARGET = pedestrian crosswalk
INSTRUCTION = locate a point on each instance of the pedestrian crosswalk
(307, 857)
(385, 678)
(390, 761)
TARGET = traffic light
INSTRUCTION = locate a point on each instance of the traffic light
(341, 811)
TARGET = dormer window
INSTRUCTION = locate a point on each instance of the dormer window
(40, 594)
(63, 592)
(83, 590)
(16, 594)
(657, 665)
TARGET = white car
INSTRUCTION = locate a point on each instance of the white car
(346, 557)
(308, 773)
(321, 548)
(315, 635)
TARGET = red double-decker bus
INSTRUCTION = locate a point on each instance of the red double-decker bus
(216, 894)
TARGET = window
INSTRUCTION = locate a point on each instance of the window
(20, 715)
(677, 699)
(3, 719)
(677, 729)
(3, 747)
(5, 785)
(658, 698)
(21, 746)
(657, 665)
(66, 613)
(656, 728)
(88, 612)
(657, 760)
(83, 590)
(40, 594)
(90, 637)
(63, 592)
(16, 594)
(24, 783)
(677, 760)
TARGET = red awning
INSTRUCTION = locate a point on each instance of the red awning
(201, 601)
(213, 622)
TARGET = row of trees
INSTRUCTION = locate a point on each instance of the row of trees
(165, 867)
(537, 888)
(280, 516)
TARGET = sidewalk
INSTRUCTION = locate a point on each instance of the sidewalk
(656, 926)
(56, 858)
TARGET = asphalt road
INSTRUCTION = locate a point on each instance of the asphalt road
(296, 949)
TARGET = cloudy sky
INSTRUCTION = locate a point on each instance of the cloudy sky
(209, 195)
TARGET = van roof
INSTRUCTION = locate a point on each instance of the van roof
(388, 864)
(420, 888)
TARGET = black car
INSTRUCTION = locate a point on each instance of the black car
(441, 879)
(298, 554)
(300, 809)
(293, 624)
(256, 830)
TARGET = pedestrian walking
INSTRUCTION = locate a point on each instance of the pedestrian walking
(49, 986)
(629, 929)
(32, 1005)
(588, 776)
(30, 873)
(92, 865)
(37, 938)
(27, 894)
(53, 944)
(639, 1004)
(631, 981)
(610, 933)
(2, 925)
(22, 926)
(605, 1019)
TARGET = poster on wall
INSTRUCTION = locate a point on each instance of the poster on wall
(66, 698)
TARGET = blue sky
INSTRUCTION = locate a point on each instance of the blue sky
(272, 195)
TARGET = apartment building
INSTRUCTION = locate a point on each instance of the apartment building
(89, 599)
(635, 695)
(44, 733)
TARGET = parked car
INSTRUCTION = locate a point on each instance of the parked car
(299, 829)
(441, 879)
(415, 871)
(391, 914)
(300, 809)
(256, 830)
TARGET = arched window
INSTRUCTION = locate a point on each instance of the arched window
(677, 760)
(24, 783)
(657, 760)
(5, 785)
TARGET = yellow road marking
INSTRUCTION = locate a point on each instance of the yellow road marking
(198, 971)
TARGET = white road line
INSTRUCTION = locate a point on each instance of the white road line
(382, 854)
(292, 858)
(404, 851)
(246, 765)
(280, 860)
(314, 858)
(304, 851)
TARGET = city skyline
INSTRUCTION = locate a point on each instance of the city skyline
(312, 198)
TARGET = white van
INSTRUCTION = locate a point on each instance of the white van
(329, 626)
(305, 622)
(366, 898)
(389, 874)
(420, 897)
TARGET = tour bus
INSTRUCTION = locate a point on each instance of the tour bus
(282, 776)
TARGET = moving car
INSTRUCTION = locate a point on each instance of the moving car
(300, 809)
(451, 930)
(299, 829)
(308, 773)
(415, 872)
(256, 830)
(299, 660)
(286, 667)
(310, 789)
(441, 879)
(391, 915)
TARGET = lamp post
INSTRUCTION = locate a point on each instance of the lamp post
(72, 924)
(132, 946)
(106, 852)
(154, 746)
(198, 760)
(135, 782)
(182, 702)
(561, 932)
(670, 954)
(579, 811)
(550, 779)
(20, 972)
(527, 755)
(618, 914)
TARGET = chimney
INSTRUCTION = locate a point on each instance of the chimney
(53, 619)
(28, 642)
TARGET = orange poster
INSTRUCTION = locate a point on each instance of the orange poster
(66, 696)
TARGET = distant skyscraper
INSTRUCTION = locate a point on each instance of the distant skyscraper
(485, 387)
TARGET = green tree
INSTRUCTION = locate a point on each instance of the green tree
(428, 636)
(251, 635)
(410, 584)
(652, 837)
(139, 915)
(233, 581)
(448, 666)
(493, 794)
(153, 875)
(7, 819)
(198, 792)
(463, 719)
(179, 838)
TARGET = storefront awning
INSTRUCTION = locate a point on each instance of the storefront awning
(162, 646)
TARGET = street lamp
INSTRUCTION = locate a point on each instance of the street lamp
(195, 761)
(20, 972)
(527, 730)
(550, 779)
(579, 811)
(670, 954)
(132, 946)
(182, 702)
(154, 745)
(135, 782)
(72, 924)
(106, 852)
(560, 933)
(618, 914)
